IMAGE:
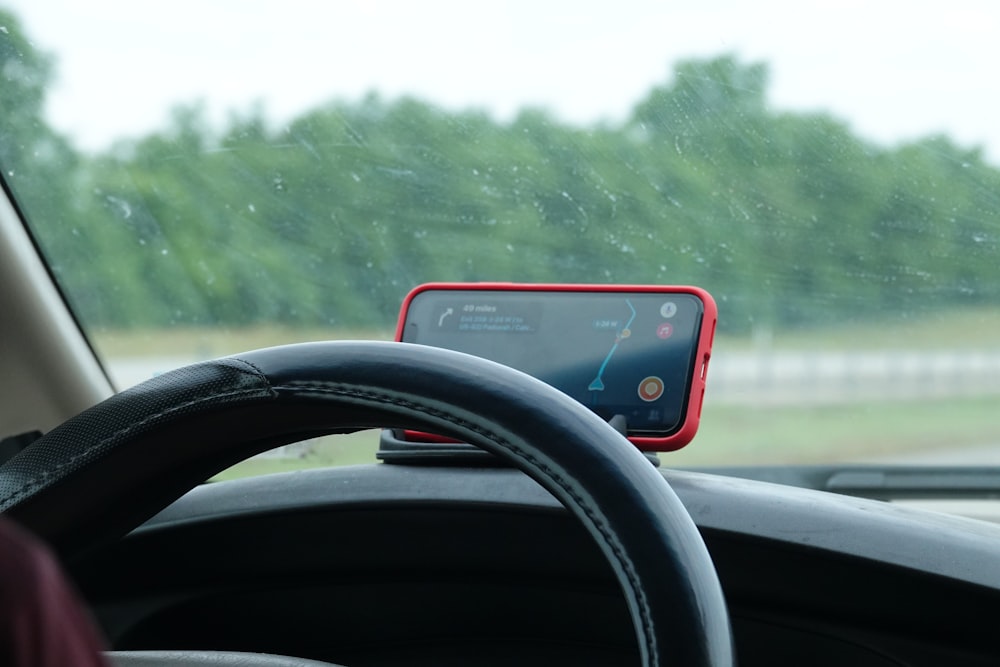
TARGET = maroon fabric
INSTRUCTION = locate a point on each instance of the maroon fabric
(42, 623)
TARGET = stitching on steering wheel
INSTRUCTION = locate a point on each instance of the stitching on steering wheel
(30, 486)
(611, 539)
(337, 389)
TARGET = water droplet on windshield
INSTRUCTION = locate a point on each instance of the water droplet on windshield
(123, 206)
(164, 252)
(3, 29)
(253, 209)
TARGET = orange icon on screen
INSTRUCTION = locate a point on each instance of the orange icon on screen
(651, 388)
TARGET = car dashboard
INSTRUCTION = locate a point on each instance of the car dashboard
(383, 565)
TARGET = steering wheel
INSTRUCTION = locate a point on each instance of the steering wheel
(112, 467)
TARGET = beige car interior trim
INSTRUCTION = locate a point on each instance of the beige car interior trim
(48, 371)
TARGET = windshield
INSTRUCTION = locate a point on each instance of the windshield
(208, 178)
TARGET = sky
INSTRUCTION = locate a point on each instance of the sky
(893, 70)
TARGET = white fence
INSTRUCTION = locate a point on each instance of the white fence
(771, 378)
(838, 377)
(783, 377)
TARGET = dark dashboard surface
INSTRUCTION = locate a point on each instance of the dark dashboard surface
(399, 565)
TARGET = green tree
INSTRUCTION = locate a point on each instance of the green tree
(789, 219)
(24, 74)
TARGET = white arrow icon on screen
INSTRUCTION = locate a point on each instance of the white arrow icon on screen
(444, 315)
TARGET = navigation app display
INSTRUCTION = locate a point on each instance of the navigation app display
(628, 354)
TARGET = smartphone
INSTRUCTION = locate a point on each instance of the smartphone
(637, 354)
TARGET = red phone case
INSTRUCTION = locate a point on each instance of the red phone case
(692, 414)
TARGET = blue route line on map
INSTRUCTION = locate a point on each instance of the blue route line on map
(598, 383)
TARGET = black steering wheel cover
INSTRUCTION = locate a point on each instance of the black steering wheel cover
(107, 470)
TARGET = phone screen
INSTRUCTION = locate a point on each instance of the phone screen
(630, 353)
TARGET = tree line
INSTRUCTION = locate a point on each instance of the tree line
(789, 219)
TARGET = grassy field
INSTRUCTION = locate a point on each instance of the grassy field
(206, 343)
(334, 450)
(957, 329)
(742, 435)
(730, 435)
(737, 435)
